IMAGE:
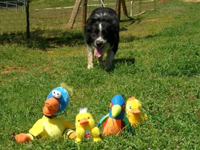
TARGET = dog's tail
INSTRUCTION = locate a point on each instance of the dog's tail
(102, 3)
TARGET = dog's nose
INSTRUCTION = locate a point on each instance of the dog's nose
(99, 43)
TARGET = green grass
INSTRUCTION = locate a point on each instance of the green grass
(158, 62)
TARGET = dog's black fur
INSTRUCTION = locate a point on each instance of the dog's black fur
(102, 35)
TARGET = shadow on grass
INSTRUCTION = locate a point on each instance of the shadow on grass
(43, 39)
(131, 20)
(128, 61)
(128, 36)
(124, 61)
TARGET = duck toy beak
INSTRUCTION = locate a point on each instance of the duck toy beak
(135, 111)
(51, 106)
(84, 122)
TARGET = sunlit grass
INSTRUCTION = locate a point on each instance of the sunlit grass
(158, 62)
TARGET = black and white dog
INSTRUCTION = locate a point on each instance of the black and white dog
(102, 35)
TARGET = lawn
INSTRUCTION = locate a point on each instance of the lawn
(158, 62)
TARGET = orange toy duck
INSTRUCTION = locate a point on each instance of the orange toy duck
(133, 111)
(50, 125)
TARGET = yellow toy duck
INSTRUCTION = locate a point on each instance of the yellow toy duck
(133, 111)
(50, 125)
(84, 124)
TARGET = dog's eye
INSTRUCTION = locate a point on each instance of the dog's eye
(103, 32)
(95, 31)
(93, 35)
(88, 30)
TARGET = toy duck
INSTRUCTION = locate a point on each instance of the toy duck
(84, 125)
(115, 120)
(50, 125)
(133, 111)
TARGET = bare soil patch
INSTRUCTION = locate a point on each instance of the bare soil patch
(10, 69)
(151, 20)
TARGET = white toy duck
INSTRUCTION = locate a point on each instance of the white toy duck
(50, 125)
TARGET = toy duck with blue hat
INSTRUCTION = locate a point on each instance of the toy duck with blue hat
(50, 125)
(115, 120)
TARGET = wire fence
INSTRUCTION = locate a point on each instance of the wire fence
(50, 16)
(9, 4)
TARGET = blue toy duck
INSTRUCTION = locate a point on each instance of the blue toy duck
(50, 125)
(115, 120)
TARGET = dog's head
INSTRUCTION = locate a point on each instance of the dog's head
(101, 33)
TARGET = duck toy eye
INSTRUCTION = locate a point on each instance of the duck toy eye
(56, 94)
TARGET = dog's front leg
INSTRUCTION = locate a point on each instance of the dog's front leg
(100, 59)
(109, 59)
(90, 57)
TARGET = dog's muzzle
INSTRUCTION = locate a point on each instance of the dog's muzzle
(99, 43)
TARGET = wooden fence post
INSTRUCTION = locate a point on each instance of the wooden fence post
(27, 20)
(84, 13)
(118, 8)
(131, 9)
(124, 8)
(74, 14)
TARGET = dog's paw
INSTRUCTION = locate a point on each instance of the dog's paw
(107, 66)
(90, 66)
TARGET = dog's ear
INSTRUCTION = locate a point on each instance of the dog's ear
(88, 25)
(90, 21)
